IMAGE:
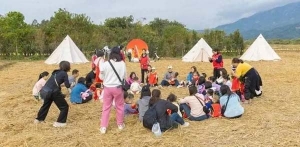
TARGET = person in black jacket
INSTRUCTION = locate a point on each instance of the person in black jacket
(51, 92)
(165, 120)
(90, 77)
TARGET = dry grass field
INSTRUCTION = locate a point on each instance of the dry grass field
(272, 120)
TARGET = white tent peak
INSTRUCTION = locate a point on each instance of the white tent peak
(260, 50)
(67, 51)
(199, 52)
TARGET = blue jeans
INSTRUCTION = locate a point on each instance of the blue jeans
(187, 111)
(176, 118)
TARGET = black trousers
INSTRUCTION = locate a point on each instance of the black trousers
(216, 73)
(59, 99)
(143, 71)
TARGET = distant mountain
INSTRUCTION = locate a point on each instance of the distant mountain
(285, 32)
(281, 22)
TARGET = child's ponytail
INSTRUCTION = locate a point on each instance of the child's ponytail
(43, 74)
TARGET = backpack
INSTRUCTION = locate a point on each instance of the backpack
(150, 117)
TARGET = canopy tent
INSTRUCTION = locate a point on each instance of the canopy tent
(260, 50)
(67, 51)
(135, 47)
(199, 53)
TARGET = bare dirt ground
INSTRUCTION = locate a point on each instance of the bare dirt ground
(272, 120)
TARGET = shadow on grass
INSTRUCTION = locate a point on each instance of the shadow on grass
(6, 65)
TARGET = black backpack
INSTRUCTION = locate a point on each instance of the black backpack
(150, 117)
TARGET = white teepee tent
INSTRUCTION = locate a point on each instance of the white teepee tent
(199, 53)
(260, 50)
(67, 51)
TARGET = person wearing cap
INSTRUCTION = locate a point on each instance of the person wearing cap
(144, 62)
(217, 62)
(169, 78)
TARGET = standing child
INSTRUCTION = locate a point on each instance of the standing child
(43, 77)
(129, 106)
(135, 87)
(173, 99)
(152, 77)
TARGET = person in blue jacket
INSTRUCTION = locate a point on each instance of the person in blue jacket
(189, 78)
(80, 93)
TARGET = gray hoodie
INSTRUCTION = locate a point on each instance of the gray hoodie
(143, 106)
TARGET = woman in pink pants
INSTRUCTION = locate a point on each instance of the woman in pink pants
(113, 89)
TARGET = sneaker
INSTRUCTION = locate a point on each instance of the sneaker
(36, 121)
(103, 130)
(186, 124)
(121, 127)
(179, 86)
(58, 124)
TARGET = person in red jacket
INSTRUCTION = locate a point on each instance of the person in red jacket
(217, 62)
(122, 52)
(144, 62)
(94, 57)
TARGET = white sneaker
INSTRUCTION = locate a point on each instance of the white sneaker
(58, 124)
(186, 124)
(102, 130)
(121, 127)
(179, 86)
(38, 121)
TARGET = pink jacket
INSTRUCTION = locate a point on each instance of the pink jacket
(38, 86)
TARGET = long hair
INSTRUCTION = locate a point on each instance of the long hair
(115, 54)
(43, 74)
(155, 96)
(225, 90)
(194, 68)
(132, 73)
(224, 72)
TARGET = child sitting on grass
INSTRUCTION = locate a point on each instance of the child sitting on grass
(216, 107)
(173, 99)
(130, 106)
(135, 87)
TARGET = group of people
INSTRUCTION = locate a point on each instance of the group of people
(214, 96)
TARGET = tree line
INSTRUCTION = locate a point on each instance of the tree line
(168, 38)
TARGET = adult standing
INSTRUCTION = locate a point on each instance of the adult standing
(144, 62)
(94, 57)
(98, 62)
(51, 92)
(122, 52)
(249, 76)
(217, 61)
(113, 89)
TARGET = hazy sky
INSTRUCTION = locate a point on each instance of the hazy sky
(195, 14)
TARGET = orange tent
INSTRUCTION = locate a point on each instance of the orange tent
(137, 45)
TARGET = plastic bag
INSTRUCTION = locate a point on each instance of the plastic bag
(156, 129)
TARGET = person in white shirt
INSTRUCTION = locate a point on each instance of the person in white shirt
(113, 89)
(135, 87)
